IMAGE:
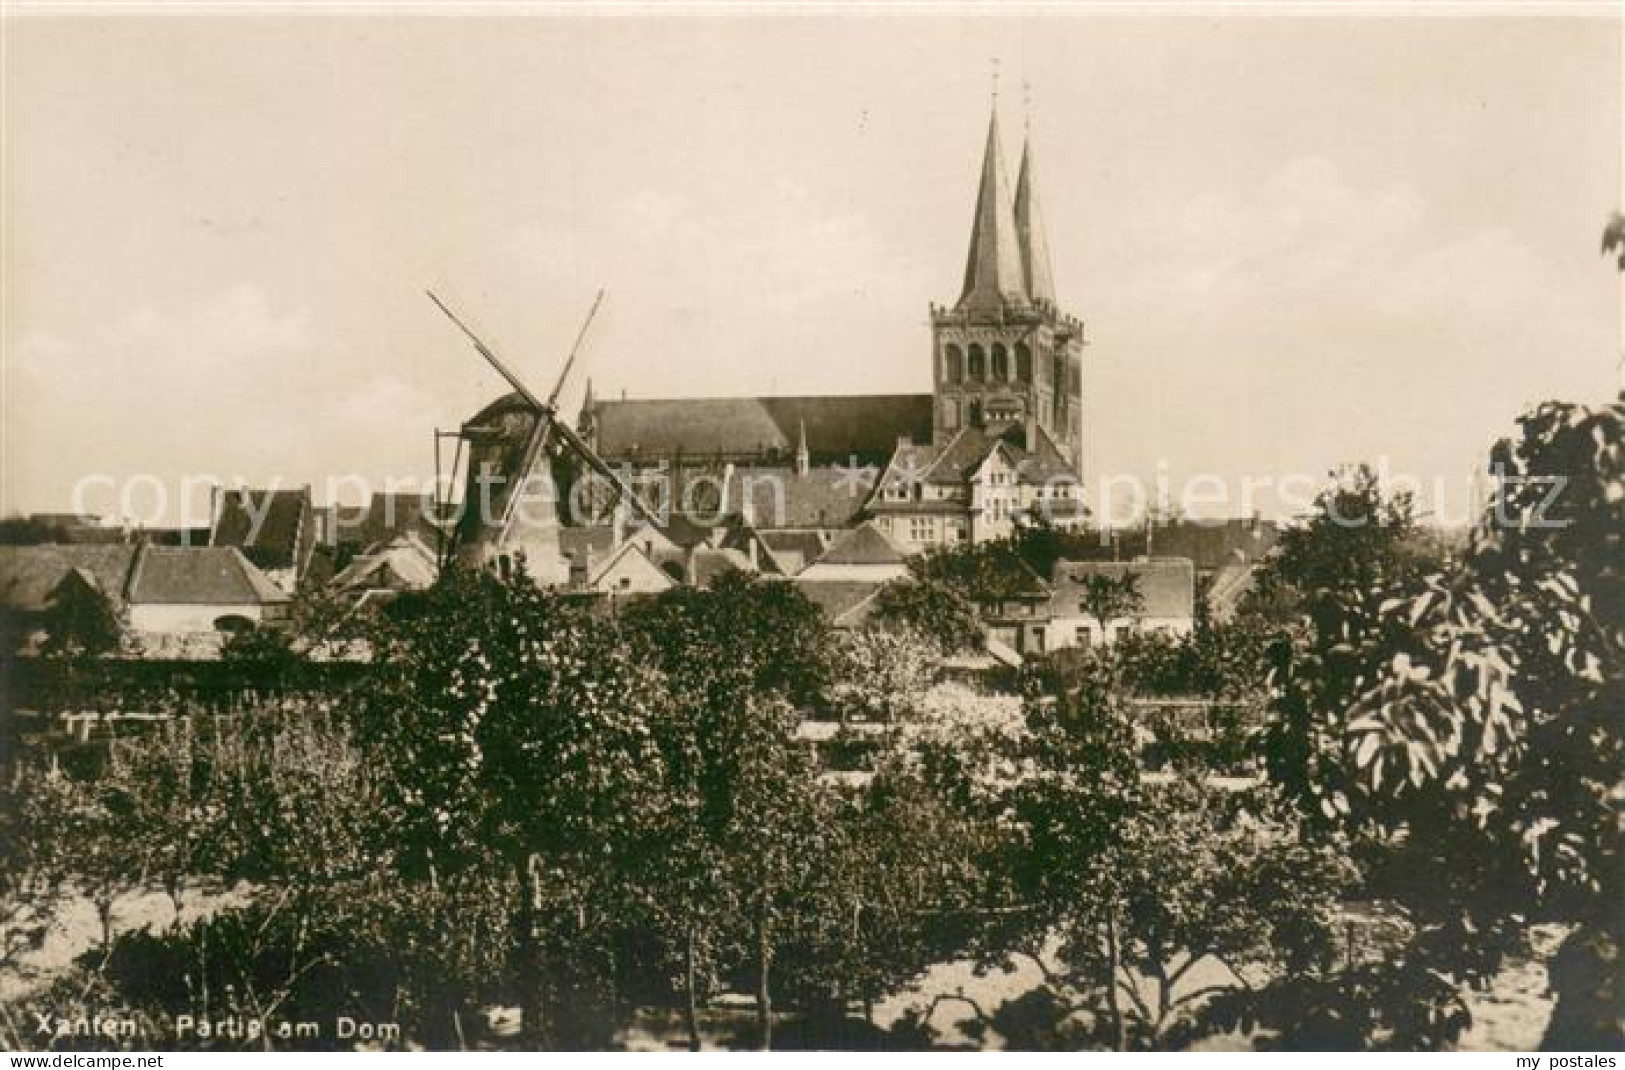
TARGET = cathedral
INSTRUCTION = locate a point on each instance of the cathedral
(1000, 434)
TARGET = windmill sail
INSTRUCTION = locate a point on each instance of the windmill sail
(514, 436)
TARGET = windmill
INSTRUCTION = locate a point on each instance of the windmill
(513, 444)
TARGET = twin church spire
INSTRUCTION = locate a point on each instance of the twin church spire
(1008, 264)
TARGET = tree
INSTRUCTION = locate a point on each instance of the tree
(743, 635)
(79, 620)
(1491, 729)
(1326, 582)
(321, 625)
(883, 673)
(749, 818)
(979, 572)
(1146, 885)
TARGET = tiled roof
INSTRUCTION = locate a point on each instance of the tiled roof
(1167, 584)
(864, 545)
(286, 528)
(30, 574)
(199, 575)
(837, 427)
(962, 455)
(1045, 462)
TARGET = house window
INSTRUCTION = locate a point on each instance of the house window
(1084, 637)
(920, 529)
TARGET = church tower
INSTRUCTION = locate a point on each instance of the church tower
(1005, 357)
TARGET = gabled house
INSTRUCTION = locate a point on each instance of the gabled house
(975, 486)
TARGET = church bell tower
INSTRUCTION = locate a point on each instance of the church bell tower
(1005, 358)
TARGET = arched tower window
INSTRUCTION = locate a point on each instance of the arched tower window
(1024, 363)
(953, 363)
(1001, 363)
(974, 417)
(1060, 374)
(977, 370)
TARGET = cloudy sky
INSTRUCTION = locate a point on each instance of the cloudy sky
(1297, 242)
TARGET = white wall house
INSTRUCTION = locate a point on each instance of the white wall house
(864, 554)
(193, 589)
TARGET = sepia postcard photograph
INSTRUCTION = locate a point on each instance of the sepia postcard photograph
(864, 528)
